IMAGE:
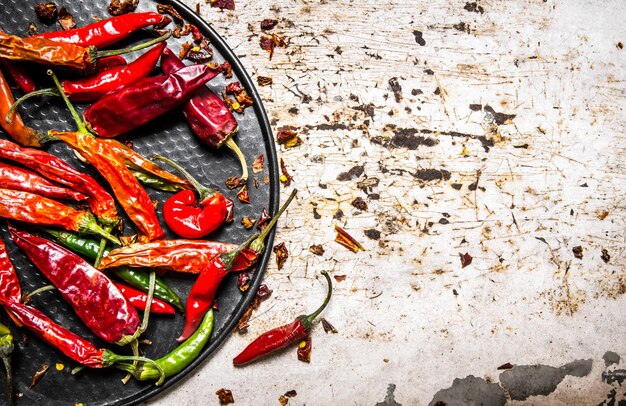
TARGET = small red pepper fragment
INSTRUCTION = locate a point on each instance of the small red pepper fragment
(139, 300)
(66, 19)
(243, 195)
(225, 396)
(347, 240)
(223, 4)
(258, 164)
(285, 177)
(268, 24)
(304, 350)
(119, 7)
(466, 259)
(39, 374)
(281, 254)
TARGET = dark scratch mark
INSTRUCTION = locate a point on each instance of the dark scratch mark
(429, 175)
(406, 138)
(390, 399)
(353, 173)
(474, 7)
(500, 118)
(395, 87)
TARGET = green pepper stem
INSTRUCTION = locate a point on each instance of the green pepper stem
(114, 52)
(120, 359)
(41, 92)
(93, 228)
(73, 112)
(37, 291)
(232, 145)
(6, 348)
(258, 245)
(146, 312)
(202, 190)
(309, 319)
(228, 258)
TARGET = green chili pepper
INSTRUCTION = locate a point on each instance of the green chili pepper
(6, 348)
(136, 278)
(181, 356)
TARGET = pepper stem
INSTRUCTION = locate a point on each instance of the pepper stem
(120, 360)
(73, 112)
(258, 245)
(41, 92)
(6, 348)
(232, 145)
(146, 312)
(309, 319)
(114, 52)
(228, 258)
(37, 291)
(202, 190)
(90, 226)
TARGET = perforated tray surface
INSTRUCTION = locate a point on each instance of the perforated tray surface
(170, 136)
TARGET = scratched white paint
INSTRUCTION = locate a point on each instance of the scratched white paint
(540, 191)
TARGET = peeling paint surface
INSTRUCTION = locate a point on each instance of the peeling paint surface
(488, 128)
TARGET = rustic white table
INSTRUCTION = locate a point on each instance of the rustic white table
(435, 129)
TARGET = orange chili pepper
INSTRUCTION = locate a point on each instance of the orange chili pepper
(17, 130)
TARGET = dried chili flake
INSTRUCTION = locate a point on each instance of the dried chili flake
(215, 305)
(177, 32)
(291, 394)
(199, 54)
(164, 23)
(198, 8)
(46, 12)
(185, 48)
(605, 256)
(234, 181)
(285, 177)
(264, 80)
(225, 396)
(261, 223)
(32, 29)
(66, 19)
(234, 87)
(466, 259)
(262, 295)
(256, 183)
(340, 278)
(281, 254)
(243, 281)
(578, 252)
(244, 99)
(247, 222)
(269, 42)
(328, 328)
(243, 195)
(196, 34)
(39, 374)
(226, 69)
(359, 203)
(289, 138)
(119, 7)
(169, 9)
(268, 24)
(317, 249)
(243, 323)
(233, 105)
(304, 350)
(266, 179)
(283, 400)
(347, 240)
(230, 205)
(223, 4)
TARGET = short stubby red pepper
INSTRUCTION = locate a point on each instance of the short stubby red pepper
(189, 218)
(137, 103)
(282, 336)
(92, 295)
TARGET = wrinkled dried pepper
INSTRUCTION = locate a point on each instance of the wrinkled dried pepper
(16, 178)
(17, 130)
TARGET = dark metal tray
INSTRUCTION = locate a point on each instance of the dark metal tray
(170, 136)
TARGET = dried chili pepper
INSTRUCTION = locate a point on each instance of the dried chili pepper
(190, 217)
(283, 336)
(32, 208)
(105, 32)
(119, 7)
(136, 278)
(66, 19)
(139, 299)
(10, 288)
(16, 178)
(209, 118)
(203, 291)
(6, 348)
(19, 75)
(111, 62)
(57, 170)
(92, 88)
(48, 52)
(46, 12)
(17, 130)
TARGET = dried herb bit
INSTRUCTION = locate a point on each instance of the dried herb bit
(289, 138)
(119, 7)
(234, 182)
(281, 254)
(345, 239)
(360, 204)
(46, 12)
(65, 19)
(243, 281)
(317, 249)
(39, 374)
(264, 80)
(261, 223)
(508, 365)
(169, 9)
(328, 328)
(578, 252)
(268, 24)
(605, 256)
(247, 222)
(243, 195)
(223, 4)
(225, 396)
(269, 42)
(258, 164)
(304, 350)
(285, 177)
(466, 259)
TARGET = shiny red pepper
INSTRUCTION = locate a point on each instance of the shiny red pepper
(16, 178)
(10, 288)
(283, 336)
(19, 75)
(111, 62)
(139, 299)
(187, 217)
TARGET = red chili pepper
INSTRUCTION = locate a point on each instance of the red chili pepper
(57, 170)
(283, 336)
(207, 114)
(139, 299)
(16, 129)
(10, 288)
(105, 32)
(188, 218)
(16, 178)
(137, 103)
(205, 287)
(21, 78)
(111, 62)
(92, 295)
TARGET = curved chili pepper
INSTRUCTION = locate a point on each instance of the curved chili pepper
(105, 32)
(57, 170)
(10, 288)
(205, 287)
(283, 336)
(21, 78)
(17, 130)
(110, 62)
(137, 103)
(6, 348)
(187, 217)
(136, 278)
(94, 298)
(207, 114)
(35, 209)
(13, 177)
(139, 299)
